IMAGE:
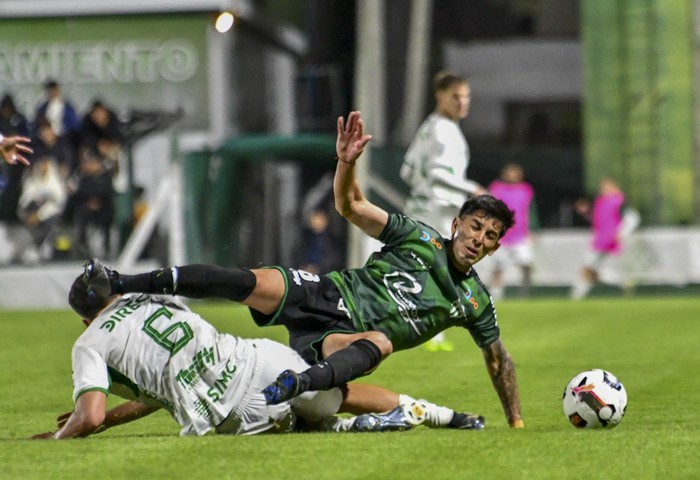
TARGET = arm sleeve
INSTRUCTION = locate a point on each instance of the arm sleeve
(450, 152)
(397, 229)
(89, 371)
(485, 330)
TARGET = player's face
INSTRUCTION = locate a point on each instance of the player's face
(454, 102)
(473, 237)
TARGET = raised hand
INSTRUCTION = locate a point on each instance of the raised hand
(351, 139)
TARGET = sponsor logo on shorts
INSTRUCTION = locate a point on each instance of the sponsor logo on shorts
(299, 275)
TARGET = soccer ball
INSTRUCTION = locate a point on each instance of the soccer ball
(595, 399)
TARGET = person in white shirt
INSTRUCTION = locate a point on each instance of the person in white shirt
(40, 207)
(435, 165)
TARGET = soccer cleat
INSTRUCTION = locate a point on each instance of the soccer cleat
(467, 421)
(286, 387)
(99, 278)
(439, 345)
(400, 418)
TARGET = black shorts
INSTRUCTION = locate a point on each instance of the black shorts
(311, 310)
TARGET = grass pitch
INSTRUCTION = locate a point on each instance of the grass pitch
(651, 343)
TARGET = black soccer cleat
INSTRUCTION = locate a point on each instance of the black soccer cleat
(286, 387)
(467, 421)
(99, 278)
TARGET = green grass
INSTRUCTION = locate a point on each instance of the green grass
(650, 343)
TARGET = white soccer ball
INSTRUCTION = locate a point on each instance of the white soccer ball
(595, 399)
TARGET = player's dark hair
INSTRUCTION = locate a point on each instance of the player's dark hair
(85, 302)
(444, 80)
(492, 207)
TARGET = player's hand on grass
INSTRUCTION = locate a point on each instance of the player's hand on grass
(351, 139)
(63, 418)
(517, 424)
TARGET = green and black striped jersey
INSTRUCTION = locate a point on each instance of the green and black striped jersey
(410, 291)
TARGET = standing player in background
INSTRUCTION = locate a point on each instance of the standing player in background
(516, 245)
(435, 165)
(612, 222)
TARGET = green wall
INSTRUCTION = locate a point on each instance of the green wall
(156, 61)
(638, 103)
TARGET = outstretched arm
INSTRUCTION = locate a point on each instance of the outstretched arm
(501, 369)
(119, 415)
(13, 149)
(350, 202)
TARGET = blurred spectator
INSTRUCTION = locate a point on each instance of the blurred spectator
(317, 241)
(100, 130)
(322, 250)
(12, 123)
(40, 206)
(516, 244)
(612, 223)
(92, 202)
(47, 142)
(60, 113)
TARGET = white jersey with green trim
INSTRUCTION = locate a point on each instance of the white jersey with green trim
(156, 350)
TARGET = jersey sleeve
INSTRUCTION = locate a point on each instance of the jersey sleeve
(484, 330)
(89, 371)
(398, 228)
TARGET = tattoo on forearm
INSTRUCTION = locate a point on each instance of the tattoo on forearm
(502, 371)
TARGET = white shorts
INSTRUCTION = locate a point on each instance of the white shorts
(611, 268)
(521, 255)
(255, 416)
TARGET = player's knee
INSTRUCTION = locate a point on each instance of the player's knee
(381, 341)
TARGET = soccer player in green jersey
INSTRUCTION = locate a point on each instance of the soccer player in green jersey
(346, 322)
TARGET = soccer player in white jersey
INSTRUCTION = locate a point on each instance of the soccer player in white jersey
(435, 165)
(157, 353)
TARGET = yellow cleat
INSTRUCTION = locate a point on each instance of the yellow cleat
(439, 345)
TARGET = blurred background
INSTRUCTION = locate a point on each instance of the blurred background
(204, 131)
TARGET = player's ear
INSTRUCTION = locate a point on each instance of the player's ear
(455, 222)
(496, 247)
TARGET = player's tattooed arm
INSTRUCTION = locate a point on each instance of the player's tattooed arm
(501, 369)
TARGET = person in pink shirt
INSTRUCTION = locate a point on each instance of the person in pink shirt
(516, 245)
(611, 223)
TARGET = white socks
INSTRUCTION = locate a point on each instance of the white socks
(435, 416)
